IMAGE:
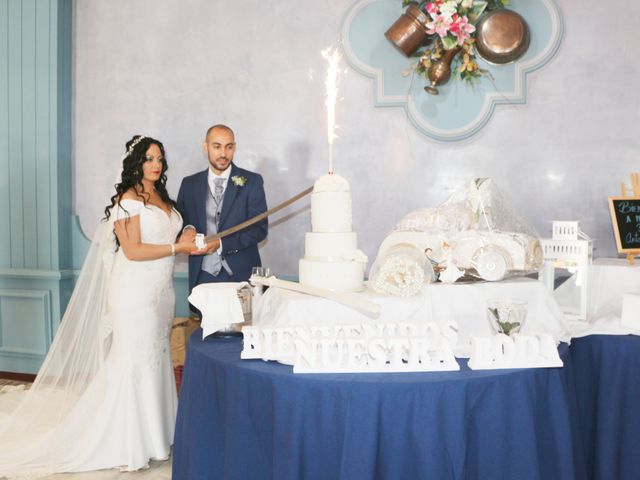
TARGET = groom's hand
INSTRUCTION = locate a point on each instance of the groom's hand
(188, 235)
(213, 245)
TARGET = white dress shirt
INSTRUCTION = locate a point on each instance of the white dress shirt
(211, 176)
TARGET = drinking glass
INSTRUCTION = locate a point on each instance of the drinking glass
(256, 289)
(506, 315)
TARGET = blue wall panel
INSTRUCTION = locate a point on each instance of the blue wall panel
(14, 65)
(63, 94)
(42, 129)
(32, 335)
(28, 138)
(35, 177)
(5, 230)
(35, 139)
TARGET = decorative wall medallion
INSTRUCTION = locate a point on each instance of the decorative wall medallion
(459, 110)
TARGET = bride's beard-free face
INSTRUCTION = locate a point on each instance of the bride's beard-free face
(220, 147)
(152, 166)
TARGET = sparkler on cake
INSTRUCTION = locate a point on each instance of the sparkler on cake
(331, 85)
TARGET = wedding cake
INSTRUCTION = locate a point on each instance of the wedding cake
(332, 259)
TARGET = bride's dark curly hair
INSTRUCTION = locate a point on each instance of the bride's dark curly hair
(132, 173)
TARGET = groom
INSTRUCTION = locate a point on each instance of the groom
(218, 198)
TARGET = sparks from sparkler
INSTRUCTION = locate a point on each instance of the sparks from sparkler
(333, 56)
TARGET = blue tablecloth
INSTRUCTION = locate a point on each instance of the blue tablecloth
(607, 382)
(250, 419)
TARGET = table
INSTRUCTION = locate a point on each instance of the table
(607, 383)
(255, 419)
(609, 279)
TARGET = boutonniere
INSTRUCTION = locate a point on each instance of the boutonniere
(239, 181)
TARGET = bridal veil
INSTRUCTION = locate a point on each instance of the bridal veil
(34, 422)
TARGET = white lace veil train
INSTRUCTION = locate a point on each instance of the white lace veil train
(35, 428)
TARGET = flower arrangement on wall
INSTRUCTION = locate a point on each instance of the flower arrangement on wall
(442, 35)
(502, 45)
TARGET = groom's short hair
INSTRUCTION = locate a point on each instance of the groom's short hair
(219, 125)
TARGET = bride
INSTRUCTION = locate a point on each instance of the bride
(105, 395)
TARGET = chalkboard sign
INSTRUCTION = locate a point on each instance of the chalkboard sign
(625, 216)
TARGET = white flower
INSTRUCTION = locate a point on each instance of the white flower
(467, 3)
(239, 181)
(398, 276)
(449, 8)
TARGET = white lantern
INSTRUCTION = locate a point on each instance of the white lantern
(571, 249)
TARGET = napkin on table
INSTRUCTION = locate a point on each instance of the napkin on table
(219, 304)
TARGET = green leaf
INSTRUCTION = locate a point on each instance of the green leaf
(497, 4)
(477, 9)
(449, 42)
(507, 327)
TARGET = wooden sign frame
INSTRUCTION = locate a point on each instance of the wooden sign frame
(631, 252)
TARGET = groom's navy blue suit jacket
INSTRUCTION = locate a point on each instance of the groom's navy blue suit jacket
(240, 203)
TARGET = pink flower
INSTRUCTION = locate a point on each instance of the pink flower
(455, 18)
(433, 8)
(461, 28)
(439, 25)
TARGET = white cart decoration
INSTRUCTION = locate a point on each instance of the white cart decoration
(476, 233)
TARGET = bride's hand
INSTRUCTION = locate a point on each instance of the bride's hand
(211, 247)
(186, 246)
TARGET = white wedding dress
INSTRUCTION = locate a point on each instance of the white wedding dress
(105, 396)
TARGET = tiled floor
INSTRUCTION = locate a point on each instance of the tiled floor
(4, 382)
(156, 471)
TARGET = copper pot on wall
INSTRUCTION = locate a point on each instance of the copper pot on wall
(409, 32)
(440, 70)
(502, 36)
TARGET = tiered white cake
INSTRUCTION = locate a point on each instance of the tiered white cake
(332, 259)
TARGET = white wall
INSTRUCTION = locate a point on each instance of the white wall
(171, 68)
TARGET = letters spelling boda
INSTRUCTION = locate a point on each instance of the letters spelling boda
(389, 347)
(519, 351)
